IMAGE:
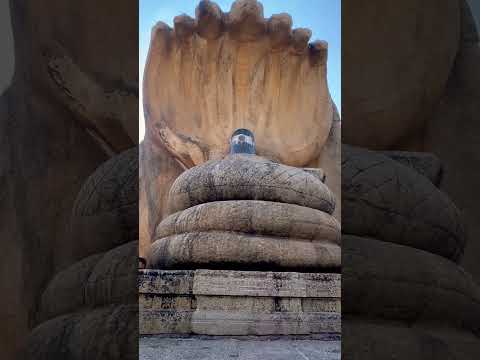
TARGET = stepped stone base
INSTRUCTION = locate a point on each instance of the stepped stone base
(219, 302)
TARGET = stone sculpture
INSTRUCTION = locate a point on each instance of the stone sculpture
(237, 70)
(72, 105)
(239, 239)
(91, 306)
(405, 292)
(246, 212)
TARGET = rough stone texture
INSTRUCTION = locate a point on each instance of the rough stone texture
(102, 333)
(407, 284)
(100, 279)
(287, 284)
(242, 348)
(72, 104)
(400, 301)
(253, 217)
(257, 79)
(386, 200)
(158, 170)
(387, 103)
(89, 309)
(249, 177)
(243, 213)
(238, 303)
(258, 73)
(452, 134)
(414, 85)
(227, 250)
(79, 61)
(331, 162)
(426, 164)
(229, 322)
(105, 212)
(363, 339)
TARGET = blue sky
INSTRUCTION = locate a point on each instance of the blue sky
(323, 17)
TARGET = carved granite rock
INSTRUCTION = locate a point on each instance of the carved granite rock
(236, 251)
(239, 70)
(246, 212)
(241, 176)
(412, 74)
(95, 297)
(253, 217)
(402, 293)
(387, 200)
(71, 105)
(105, 212)
(98, 280)
(103, 333)
(387, 103)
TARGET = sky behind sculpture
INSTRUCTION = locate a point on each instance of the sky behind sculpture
(323, 17)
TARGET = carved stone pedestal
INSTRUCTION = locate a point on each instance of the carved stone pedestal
(220, 302)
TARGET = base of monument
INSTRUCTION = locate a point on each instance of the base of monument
(221, 302)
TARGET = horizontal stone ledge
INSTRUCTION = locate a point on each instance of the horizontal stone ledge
(240, 283)
(257, 304)
(164, 321)
(265, 304)
(149, 302)
(165, 281)
(237, 322)
(278, 323)
(259, 283)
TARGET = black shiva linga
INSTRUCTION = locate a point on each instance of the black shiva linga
(242, 142)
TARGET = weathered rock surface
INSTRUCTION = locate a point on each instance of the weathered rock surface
(229, 250)
(386, 104)
(103, 333)
(398, 300)
(105, 212)
(386, 200)
(414, 85)
(220, 302)
(382, 280)
(257, 74)
(253, 217)
(89, 309)
(246, 212)
(452, 134)
(249, 177)
(426, 164)
(78, 63)
(157, 171)
(72, 104)
(98, 280)
(363, 339)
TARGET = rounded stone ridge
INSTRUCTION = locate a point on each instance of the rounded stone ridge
(253, 217)
(387, 200)
(234, 251)
(249, 177)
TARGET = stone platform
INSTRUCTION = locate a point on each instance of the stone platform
(219, 302)
(197, 347)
